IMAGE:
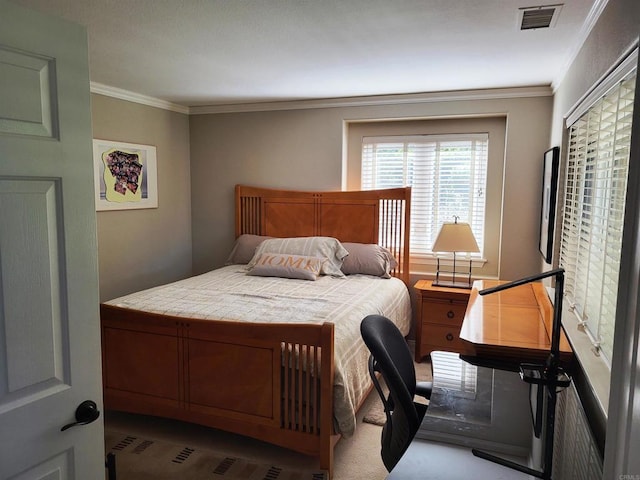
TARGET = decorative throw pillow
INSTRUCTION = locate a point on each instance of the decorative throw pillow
(244, 248)
(324, 247)
(286, 265)
(368, 259)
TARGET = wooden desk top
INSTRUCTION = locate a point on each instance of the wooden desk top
(514, 325)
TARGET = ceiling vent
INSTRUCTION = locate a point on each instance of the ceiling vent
(544, 16)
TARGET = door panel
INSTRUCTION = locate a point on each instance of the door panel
(33, 326)
(26, 95)
(49, 325)
(56, 468)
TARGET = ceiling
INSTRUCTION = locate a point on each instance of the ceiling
(221, 52)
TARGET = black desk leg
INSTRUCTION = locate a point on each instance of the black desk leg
(110, 465)
(507, 463)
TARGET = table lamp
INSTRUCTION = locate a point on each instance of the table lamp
(454, 237)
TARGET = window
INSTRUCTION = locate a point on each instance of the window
(595, 191)
(448, 176)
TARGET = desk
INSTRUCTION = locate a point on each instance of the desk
(515, 328)
(515, 324)
(511, 327)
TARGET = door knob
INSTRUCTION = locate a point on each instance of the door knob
(86, 412)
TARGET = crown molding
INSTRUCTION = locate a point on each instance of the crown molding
(462, 95)
(374, 100)
(121, 94)
(621, 69)
(590, 22)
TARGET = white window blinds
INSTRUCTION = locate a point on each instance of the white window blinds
(595, 192)
(448, 176)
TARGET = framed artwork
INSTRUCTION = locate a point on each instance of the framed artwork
(549, 194)
(125, 175)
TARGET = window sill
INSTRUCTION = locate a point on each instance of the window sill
(426, 265)
(596, 370)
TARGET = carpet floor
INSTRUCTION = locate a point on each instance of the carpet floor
(140, 458)
(355, 458)
(375, 414)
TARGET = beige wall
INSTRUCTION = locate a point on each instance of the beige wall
(288, 149)
(138, 249)
(614, 34)
(303, 149)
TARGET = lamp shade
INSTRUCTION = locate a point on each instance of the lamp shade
(455, 237)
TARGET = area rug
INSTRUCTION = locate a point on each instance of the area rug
(146, 459)
(375, 415)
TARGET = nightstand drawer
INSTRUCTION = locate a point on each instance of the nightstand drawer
(439, 316)
(440, 337)
(443, 313)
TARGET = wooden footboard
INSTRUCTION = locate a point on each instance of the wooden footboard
(270, 382)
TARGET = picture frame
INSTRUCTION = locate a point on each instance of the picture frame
(548, 204)
(125, 175)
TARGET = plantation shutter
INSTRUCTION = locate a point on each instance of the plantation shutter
(448, 176)
(595, 192)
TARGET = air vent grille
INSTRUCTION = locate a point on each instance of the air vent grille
(539, 17)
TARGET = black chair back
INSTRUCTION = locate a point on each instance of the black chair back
(391, 357)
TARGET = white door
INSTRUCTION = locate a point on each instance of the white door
(49, 327)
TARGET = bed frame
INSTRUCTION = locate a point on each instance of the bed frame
(244, 378)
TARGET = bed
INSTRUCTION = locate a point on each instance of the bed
(277, 359)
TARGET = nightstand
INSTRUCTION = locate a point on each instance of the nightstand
(439, 318)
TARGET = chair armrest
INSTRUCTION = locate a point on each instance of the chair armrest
(424, 389)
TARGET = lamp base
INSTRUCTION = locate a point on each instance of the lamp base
(454, 276)
(451, 284)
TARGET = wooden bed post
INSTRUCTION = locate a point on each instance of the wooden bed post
(326, 399)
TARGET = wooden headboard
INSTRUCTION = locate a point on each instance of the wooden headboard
(368, 216)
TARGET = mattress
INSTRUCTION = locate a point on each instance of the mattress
(230, 294)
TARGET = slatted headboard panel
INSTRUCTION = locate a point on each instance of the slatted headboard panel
(368, 216)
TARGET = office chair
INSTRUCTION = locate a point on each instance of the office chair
(390, 356)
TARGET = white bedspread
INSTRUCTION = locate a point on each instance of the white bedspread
(229, 294)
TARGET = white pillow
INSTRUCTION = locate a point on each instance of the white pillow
(324, 247)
